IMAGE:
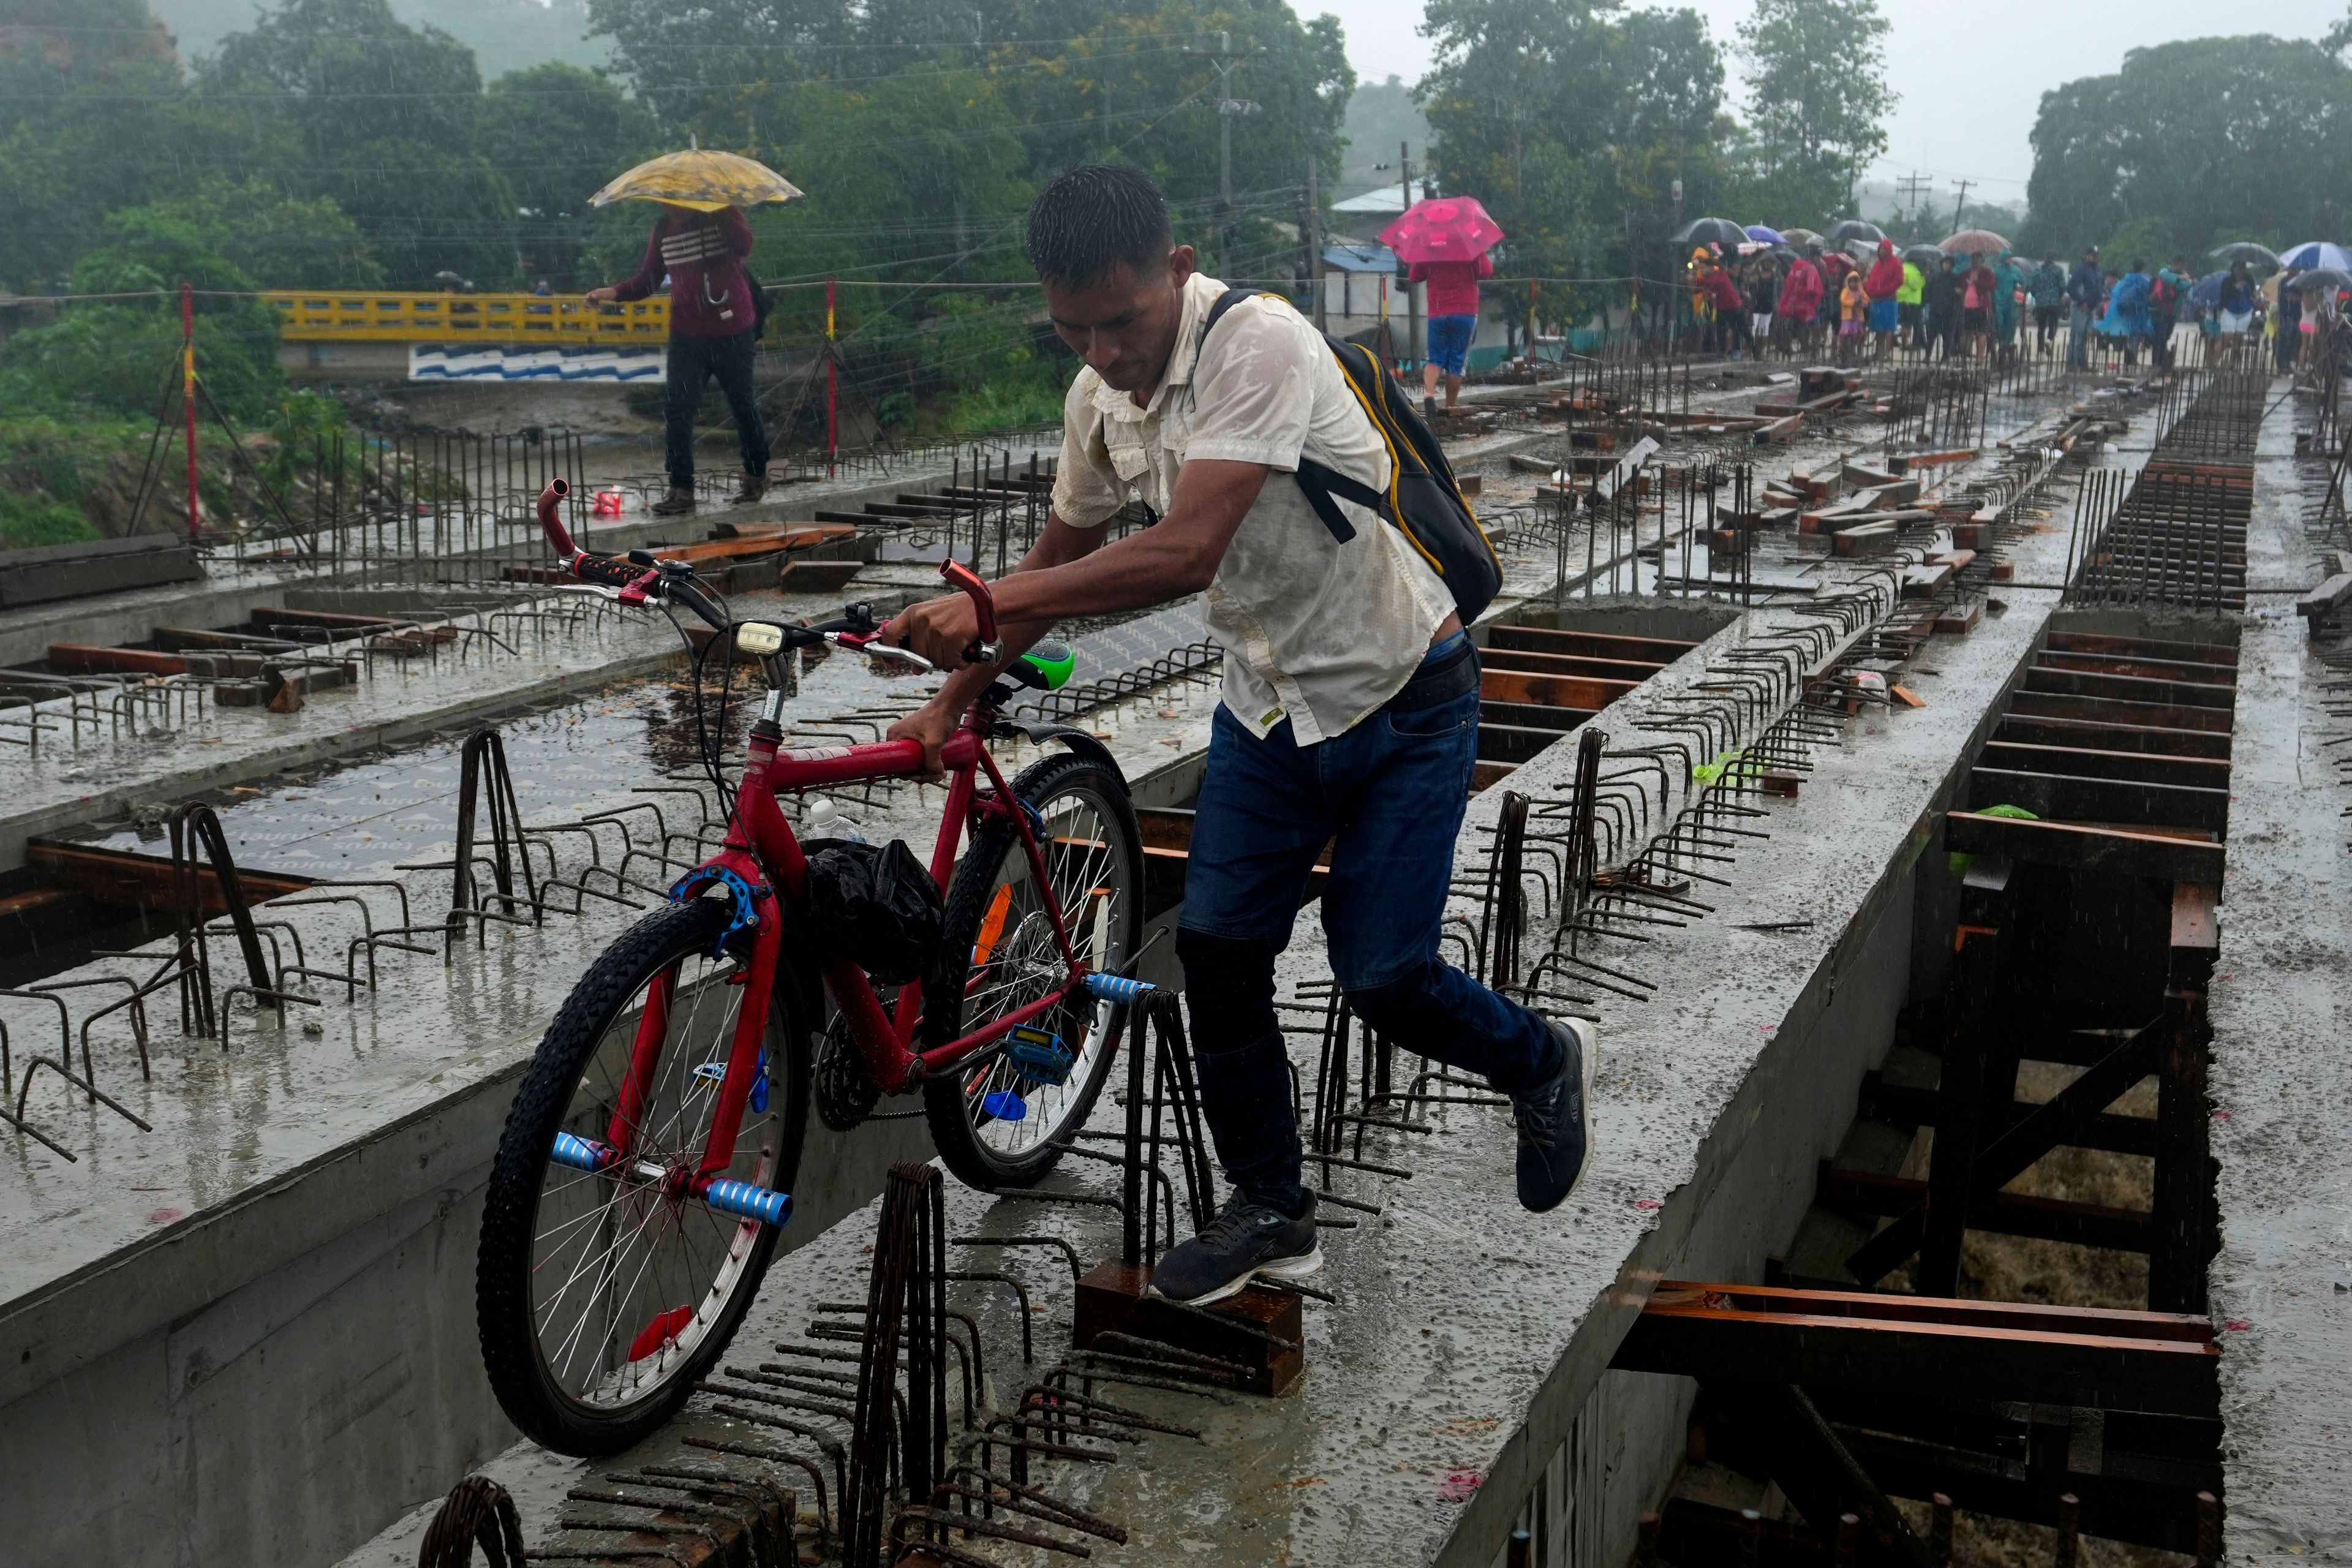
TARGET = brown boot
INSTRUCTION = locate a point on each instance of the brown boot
(671, 505)
(754, 487)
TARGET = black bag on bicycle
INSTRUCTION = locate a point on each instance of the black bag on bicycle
(875, 905)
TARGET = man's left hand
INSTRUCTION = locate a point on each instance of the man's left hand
(938, 629)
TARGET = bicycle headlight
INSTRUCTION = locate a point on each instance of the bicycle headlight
(759, 639)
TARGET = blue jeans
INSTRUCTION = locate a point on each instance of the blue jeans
(1449, 341)
(2078, 340)
(1392, 791)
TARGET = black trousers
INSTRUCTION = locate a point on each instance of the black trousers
(692, 362)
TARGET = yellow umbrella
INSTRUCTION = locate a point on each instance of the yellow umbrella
(702, 178)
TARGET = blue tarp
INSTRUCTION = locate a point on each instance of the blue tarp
(1361, 258)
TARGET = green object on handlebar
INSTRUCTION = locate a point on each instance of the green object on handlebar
(1051, 664)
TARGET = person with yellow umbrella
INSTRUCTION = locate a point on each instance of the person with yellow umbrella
(716, 309)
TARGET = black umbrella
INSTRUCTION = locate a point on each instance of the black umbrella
(2322, 279)
(1849, 229)
(1719, 231)
(1923, 257)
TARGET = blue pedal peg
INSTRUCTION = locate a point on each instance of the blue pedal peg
(744, 1201)
(580, 1153)
(1118, 988)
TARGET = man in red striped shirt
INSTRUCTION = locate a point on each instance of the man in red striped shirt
(714, 322)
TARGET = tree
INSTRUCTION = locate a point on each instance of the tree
(385, 120)
(558, 133)
(90, 100)
(1818, 97)
(1572, 122)
(2211, 138)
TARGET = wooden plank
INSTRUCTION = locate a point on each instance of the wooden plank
(84, 658)
(1482, 775)
(2145, 767)
(2100, 1370)
(2073, 844)
(2135, 664)
(2130, 688)
(1533, 715)
(330, 620)
(1906, 1106)
(1552, 690)
(1658, 652)
(1567, 663)
(2196, 917)
(2072, 798)
(2151, 647)
(122, 878)
(2114, 710)
(2093, 735)
(1690, 1297)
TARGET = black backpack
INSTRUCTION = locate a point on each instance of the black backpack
(1423, 501)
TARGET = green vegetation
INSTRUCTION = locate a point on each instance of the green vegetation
(2192, 144)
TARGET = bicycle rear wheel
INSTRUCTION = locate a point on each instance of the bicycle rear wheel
(603, 1295)
(996, 1123)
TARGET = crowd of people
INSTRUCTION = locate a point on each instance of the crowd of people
(1825, 301)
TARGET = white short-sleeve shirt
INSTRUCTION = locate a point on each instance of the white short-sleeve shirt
(1316, 630)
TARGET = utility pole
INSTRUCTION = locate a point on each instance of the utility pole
(1414, 348)
(1914, 185)
(1314, 232)
(1962, 205)
(1228, 106)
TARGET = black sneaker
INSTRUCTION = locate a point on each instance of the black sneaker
(1555, 1121)
(1245, 1240)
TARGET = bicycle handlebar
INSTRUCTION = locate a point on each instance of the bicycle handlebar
(637, 583)
(989, 648)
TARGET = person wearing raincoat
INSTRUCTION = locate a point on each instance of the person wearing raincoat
(1702, 304)
(2047, 289)
(2127, 316)
(2008, 301)
(1853, 317)
(1885, 287)
(1911, 312)
(1801, 296)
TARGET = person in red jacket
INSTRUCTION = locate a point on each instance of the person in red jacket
(1730, 309)
(714, 319)
(1801, 296)
(1453, 322)
(1884, 282)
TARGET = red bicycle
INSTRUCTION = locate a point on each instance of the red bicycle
(655, 1140)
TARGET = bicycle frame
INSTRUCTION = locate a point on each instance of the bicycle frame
(761, 865)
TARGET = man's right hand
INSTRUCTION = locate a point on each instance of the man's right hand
(931, 724)
(603, 296)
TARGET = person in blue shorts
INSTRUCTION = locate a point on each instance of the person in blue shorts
(1453, 322)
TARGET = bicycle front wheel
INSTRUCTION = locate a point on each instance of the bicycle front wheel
(997, 1121)
(603, 1295)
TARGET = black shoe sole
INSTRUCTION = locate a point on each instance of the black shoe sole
(1299, 1268)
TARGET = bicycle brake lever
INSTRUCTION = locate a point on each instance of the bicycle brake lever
(866, 643)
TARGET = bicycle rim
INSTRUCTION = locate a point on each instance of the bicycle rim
(628, 1280)
(1015, 961)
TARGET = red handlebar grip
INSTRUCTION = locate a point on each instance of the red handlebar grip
(983, 602)
(550, 499)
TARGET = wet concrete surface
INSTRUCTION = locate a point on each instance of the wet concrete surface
(2281, 1008)
(1463, 1366)
(1471, 1340)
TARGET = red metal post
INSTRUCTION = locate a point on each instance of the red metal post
(188, 395)
(832, 384)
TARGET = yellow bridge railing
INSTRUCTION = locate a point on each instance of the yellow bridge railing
(307, 315)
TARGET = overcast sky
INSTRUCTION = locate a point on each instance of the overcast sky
(1970, 76)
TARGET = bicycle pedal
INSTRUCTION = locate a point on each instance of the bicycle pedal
(715, 1072)
(1038, 1055)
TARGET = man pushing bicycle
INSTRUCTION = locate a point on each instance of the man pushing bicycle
(1350, 703)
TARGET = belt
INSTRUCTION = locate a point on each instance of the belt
(1440, 680)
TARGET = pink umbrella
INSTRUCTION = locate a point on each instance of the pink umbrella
(1443, 229)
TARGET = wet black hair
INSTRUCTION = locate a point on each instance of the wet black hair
(1086, 222)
